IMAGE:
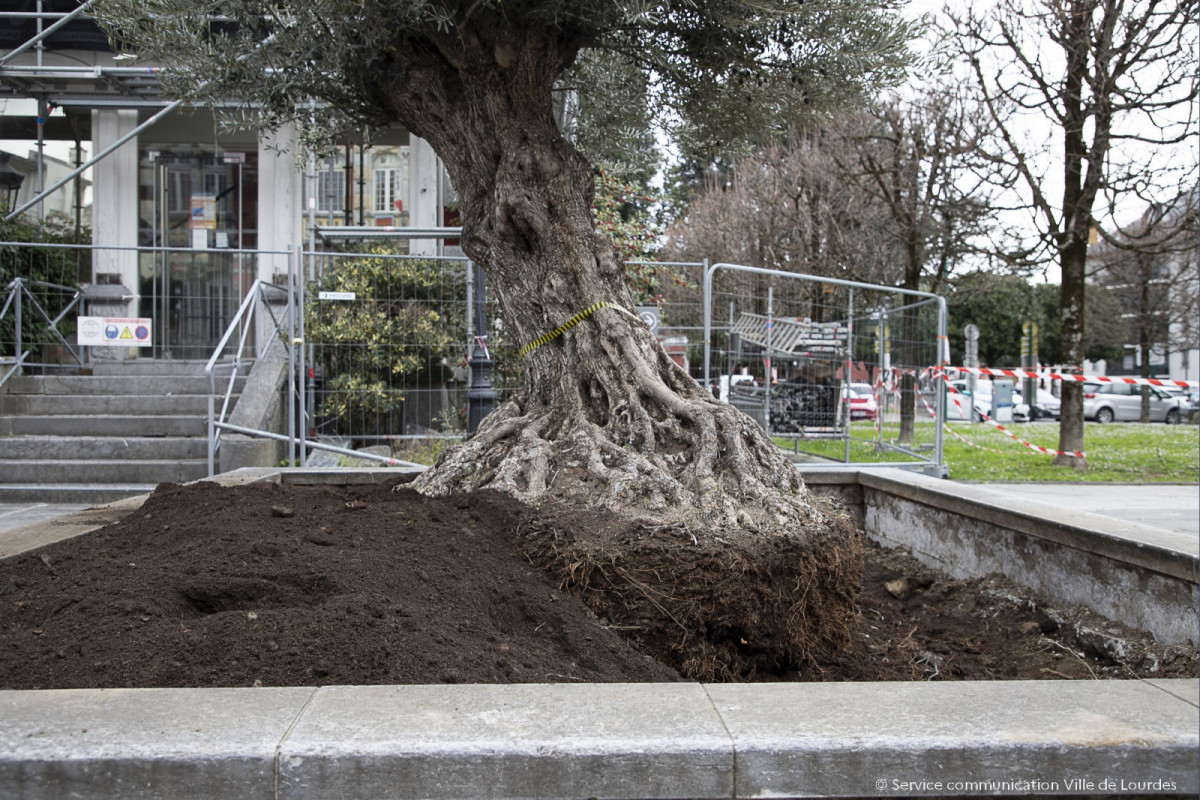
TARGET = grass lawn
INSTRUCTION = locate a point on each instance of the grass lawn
(1120, 453)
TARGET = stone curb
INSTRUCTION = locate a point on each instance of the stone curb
(604, 740)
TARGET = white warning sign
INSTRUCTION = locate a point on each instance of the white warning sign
(115, 331)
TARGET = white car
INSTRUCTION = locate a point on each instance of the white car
(1122, 402)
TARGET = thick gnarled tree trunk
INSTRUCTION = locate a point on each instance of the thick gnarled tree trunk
(605, 417)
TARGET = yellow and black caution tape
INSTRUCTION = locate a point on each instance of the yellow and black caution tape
(571, 323)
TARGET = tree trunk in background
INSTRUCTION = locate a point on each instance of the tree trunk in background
(1070, 431)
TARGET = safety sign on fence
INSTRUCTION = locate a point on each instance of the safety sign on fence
(115, 331)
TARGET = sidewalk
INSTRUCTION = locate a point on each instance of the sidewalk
(1172, 507)
(18, 515)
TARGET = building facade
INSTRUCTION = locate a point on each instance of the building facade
(186, 215)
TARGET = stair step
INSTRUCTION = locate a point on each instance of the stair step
(148, 366)
(54, 404)
(18, 448)
(72, 493)
(139, 471)
(155, 385)
(108, 425)
(111, 430)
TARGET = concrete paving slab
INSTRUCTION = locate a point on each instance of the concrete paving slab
(55, 527)
(604, 740)
(1042, 738)
(1171, 507)
(18, 515)
(518, 741)
(144, 744)
(1186, 690)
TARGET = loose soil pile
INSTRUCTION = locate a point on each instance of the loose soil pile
(281, 585)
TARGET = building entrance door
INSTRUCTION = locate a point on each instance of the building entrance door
(202, 227)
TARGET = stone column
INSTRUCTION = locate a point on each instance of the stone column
(424, 182)
(115, 218)
(280, 200)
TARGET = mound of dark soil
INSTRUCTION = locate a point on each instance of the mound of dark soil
(281, 585)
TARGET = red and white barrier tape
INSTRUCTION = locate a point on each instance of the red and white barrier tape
(950, 430)
(1043, 450)
(1063, 376)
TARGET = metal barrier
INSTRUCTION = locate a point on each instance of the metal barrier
(823, 363)
(51, 303)
(387, 341)
(244, 326)
(42, 291)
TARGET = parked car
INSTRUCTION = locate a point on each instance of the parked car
(981, 403)
(1122, 402)
(1047, 406)
(1189, 396)
(862, 401)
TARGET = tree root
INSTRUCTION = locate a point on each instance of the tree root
(715, 546)
(716, 610)
(703, 464)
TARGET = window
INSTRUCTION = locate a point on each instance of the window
(331, 190)
(388, 189)
(215, 183)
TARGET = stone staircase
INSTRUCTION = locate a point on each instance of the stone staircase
(118, 432)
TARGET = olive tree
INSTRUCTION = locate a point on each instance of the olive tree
(605, 418)
(604, 414)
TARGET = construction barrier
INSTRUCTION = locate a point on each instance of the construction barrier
(1065, 376)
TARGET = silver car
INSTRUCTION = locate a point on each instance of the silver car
(1122, 402)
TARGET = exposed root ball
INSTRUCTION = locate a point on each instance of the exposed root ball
(716, 608)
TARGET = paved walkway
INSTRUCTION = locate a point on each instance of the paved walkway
(1172, 507)
(18, 515)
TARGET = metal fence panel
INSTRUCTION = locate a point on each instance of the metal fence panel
(842, 370)
(388, 337)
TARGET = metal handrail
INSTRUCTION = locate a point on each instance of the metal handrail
(18, 288)
(240, 323)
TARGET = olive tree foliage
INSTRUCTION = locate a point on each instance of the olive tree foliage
(604, 416)
(1114, 82)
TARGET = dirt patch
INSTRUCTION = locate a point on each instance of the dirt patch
(282, 585)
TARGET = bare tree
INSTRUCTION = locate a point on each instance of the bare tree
(1115, 82)
(788, 207)
(1151, 268)
(886, 196)
(915, 158)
